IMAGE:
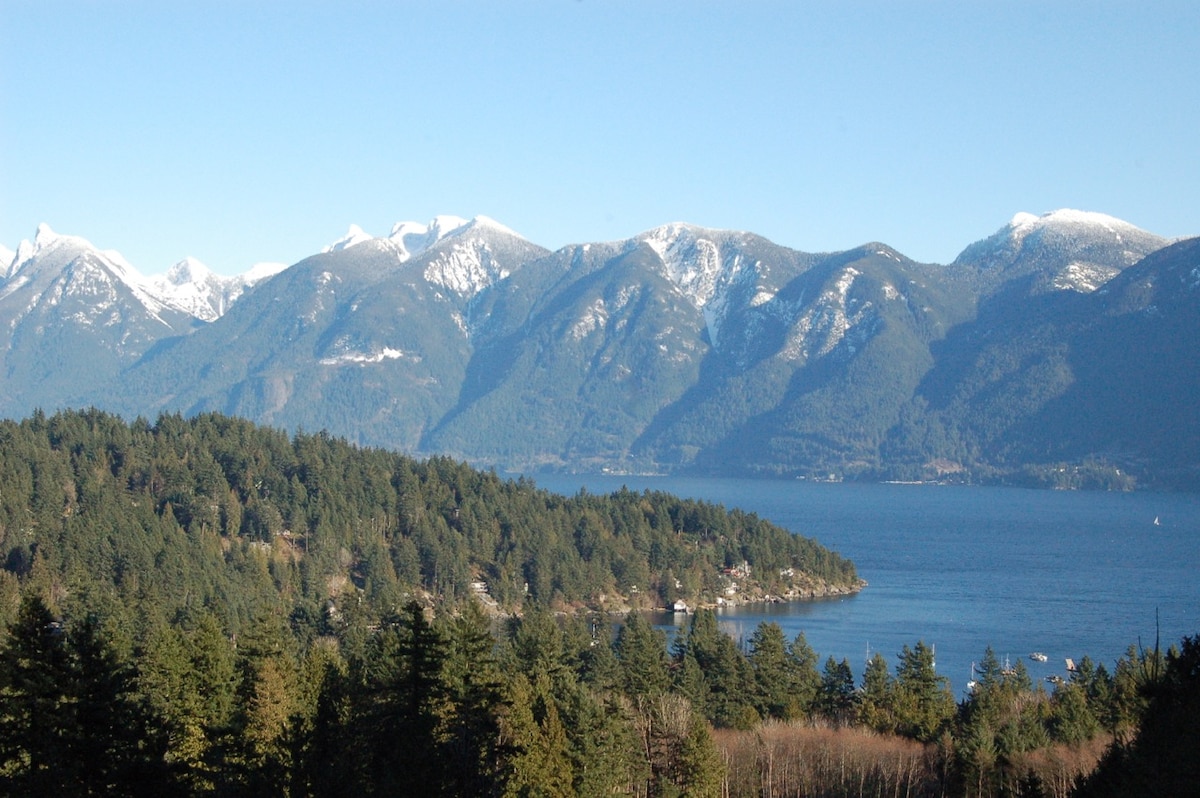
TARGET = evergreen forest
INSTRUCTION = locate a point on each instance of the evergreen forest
(206, 607)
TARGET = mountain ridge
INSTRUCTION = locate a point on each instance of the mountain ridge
(682, 348)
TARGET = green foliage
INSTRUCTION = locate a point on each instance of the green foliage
(202, 606)
(726, 689)
(641, 650)
(214, 512)
(924, 705)
(1161, 759)
(835, 698)
(71, 722)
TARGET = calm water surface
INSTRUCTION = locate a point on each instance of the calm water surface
(1064, 573)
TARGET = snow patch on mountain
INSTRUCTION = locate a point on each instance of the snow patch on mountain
(827, 321)
(708, 268)
(594, 317)
(1083, 277)
(691, 259)
(7, 256)
(466, 268)
(366, 358)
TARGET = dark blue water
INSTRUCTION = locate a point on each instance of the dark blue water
(1064, 573)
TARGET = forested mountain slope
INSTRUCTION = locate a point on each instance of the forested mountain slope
(1071, 387)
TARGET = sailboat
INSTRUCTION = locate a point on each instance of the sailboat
(1157, 522)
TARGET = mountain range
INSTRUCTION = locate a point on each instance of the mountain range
(1059, 351)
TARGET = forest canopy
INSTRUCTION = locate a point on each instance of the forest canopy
(216, 513)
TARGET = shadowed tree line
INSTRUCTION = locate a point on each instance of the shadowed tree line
(545, 704)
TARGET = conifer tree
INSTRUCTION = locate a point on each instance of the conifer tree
(806, 679)
(772, 674)
(470, 725)
(404, 701)
(35, 709)
(540, 763)
(727, 675)
(700, 766)
(641, 651)
(69, 720)
(924, 704)
(875, 701)
(836, 698)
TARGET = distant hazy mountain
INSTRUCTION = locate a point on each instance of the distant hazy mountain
(1052, 352)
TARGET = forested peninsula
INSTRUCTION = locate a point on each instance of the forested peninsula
(205, 607)
(215, 512)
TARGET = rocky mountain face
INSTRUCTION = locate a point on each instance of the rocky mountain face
(682, 349)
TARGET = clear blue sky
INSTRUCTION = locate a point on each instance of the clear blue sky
(248, 131)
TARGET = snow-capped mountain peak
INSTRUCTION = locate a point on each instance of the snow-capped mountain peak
(7, 256)
(43, 240)
(1023, 223)
(195, 289)
(706, 266)
(467, 256)
(488, 223)
(104, 290)
(354, 236)
(192, 287)
(44, 236)
(414, 238)
(691, 257)
(1072, 249)
(411, 239)
(57, 249)
(188, 270)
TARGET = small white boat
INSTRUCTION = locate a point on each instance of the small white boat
(1038, 656)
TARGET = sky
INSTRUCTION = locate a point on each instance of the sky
(258, 131)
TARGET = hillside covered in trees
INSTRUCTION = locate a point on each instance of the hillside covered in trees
(213, 512)
(204, 607)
